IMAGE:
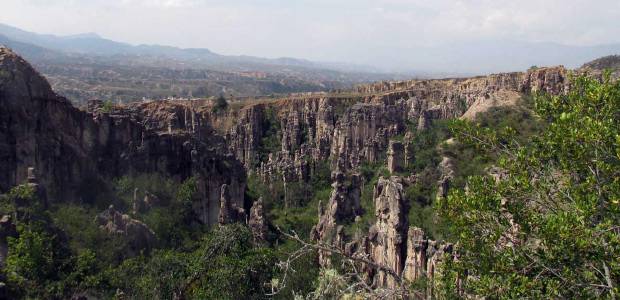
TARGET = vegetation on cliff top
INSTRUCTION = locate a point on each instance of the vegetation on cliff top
(548, 227)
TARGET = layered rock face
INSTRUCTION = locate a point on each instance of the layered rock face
(230, 212)
(349, 130)
(388, 235)
(343, 204)
(396, 156)
(363, 132)
(395, 248)
(74, 150)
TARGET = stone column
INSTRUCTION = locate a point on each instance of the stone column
(395, 156)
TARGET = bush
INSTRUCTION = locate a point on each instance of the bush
(548, 228)
(226, 266)
(220, 104)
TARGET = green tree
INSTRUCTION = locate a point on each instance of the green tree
(30, 256)
(229, 267)
(225, 266)
(39, 263)
(220, 104)
(546, 226)
(108, 106)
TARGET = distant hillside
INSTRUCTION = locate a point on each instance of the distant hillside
(87, 66)
(611, 62)
(93, 44)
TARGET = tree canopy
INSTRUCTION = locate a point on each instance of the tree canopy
(546, 222)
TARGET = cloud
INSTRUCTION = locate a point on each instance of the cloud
(161, 3)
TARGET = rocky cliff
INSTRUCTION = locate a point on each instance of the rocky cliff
(74, 151)
(348, 129)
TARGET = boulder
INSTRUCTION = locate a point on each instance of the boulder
(139, 237)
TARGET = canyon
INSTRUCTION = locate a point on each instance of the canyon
(75, 152)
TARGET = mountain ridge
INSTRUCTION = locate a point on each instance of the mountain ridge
(93, 43)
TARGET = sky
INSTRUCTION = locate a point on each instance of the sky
(353, 31)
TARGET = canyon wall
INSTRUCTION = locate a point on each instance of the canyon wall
(349, 129)
(74, 151)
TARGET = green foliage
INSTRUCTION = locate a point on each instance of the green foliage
(330, 285)
(77, 222)
(467, 158)
(107, 107)
(5, 75)
(31, 256)
(165, 189)
(172, 218)
(162, 276)
(304, 271)
(425, 144)
(371, 172)
(300, 213)
(187, 191)
(22, 192)
(548, 228)
(226, 266)
(39, 263)
(220, 104)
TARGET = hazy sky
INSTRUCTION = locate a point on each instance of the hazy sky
(357, 31)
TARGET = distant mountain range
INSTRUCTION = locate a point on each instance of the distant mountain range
(88, 66)
(93, 44)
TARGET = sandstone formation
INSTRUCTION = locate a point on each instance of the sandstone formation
(396, 156)
(230, 212)
(394, 248)
(344, 203)
(138, 236)
(282, 140)
(349, 130)
(257, 222)
(186, 138)
(75, 151)
(388, 237)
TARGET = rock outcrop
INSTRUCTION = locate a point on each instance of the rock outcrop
(394, 248)
(230, 211)
(142, 205)
(395, 156)
(257, 222)
(139, 237)
(446, 169)
(388, 237)
(343, 204)
(75, 151)
(363, 132)
(349, 130)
